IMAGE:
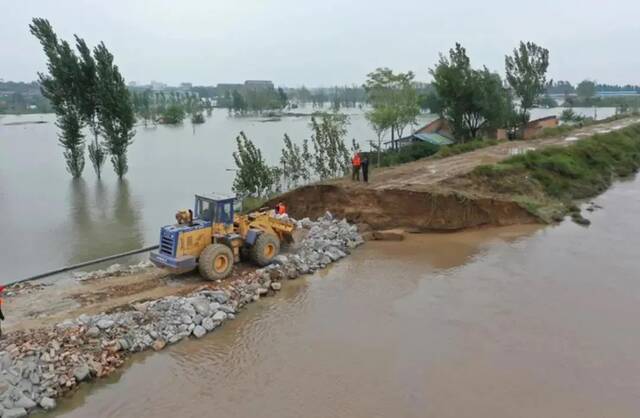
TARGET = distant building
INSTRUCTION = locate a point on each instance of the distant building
(186, 86)
(533, 128)
(223, 88)
(157, 86)
(436, 133)
(438, 126)
(259, 84)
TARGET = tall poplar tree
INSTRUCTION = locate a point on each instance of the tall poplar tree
(115, 109)
(88, 103)
(60, 85)
(527, 75)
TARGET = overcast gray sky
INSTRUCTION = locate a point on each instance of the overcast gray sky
(326, 42)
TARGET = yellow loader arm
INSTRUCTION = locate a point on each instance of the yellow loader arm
(267, 222)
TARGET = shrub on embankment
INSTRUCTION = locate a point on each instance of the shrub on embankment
(561, 174)
(406, 154)
(420, 150)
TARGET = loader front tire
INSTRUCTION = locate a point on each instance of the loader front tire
(266, 247)
(216, 262)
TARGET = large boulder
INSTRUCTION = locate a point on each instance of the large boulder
(199, 331)
(82, 372)
(201, 305)
(14, 413)
(47, 403)
(105, 323)
(219, 316)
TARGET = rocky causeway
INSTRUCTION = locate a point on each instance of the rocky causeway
(39, 365)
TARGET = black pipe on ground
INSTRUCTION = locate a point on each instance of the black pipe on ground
(83, 264)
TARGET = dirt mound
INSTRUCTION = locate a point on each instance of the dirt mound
(392, 208)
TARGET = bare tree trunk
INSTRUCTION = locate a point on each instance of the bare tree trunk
(379, 149)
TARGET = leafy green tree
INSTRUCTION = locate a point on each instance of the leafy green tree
(492, 104)
(88, 103)
(381, 122)
(330, 154)
(145, 105)
(115, 109)
(430, 101)
(238, 103)
(547, 101)
(586, 91)
(253, 176)
(61, 88)
(304, 95)
(527, 75)
(560, 87)
(70, 124)
(197, 118)
(294, 162)
(395, 97)
(470, 99)
(282, 98)
(568, 116)
(174, 114)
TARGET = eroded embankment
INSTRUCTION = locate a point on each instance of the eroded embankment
(536, 186)
(416, 210)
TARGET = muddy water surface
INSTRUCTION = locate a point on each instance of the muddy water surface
(510, 322)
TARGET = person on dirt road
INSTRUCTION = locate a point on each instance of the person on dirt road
(355, 164)
(364, 165)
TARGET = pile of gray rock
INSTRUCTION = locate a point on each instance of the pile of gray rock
(328, 240)
(37, 366)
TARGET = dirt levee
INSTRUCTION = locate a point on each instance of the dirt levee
(435, 194)
(389, 208)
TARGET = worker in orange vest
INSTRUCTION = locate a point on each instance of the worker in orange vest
(355, 163)
(281, 208)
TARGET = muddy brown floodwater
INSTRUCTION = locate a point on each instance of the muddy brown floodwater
(509, 322)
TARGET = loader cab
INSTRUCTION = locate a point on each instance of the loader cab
(216, 209)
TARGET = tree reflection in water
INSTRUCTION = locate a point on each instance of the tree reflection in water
(103, 224)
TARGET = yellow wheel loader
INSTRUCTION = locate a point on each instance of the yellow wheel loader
(213, 237)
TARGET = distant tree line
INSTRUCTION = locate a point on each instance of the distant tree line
(565, 87)
(586, 93)
(170, 107)
(253, 100)
(18, 98)
(86, 89)
(336, 97)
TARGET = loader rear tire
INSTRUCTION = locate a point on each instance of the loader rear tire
(266, 247)
(216, 262)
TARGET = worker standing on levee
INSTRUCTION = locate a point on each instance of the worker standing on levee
(355, 163)
(365, 169)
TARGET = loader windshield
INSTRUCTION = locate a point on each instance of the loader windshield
(205, 210)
